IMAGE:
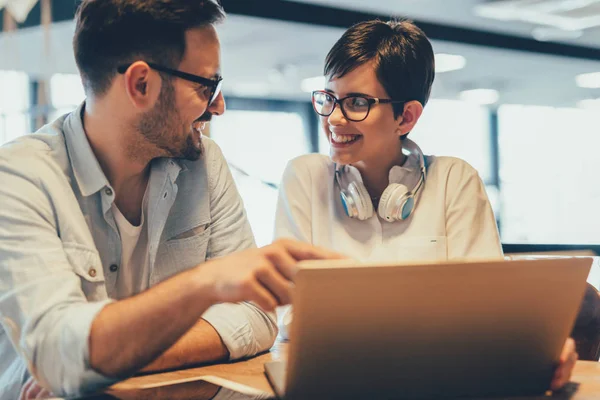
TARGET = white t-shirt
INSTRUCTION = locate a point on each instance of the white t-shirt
(452, 219)
(132, 275)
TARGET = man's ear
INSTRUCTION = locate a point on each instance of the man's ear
(412, 112)
(142, 85)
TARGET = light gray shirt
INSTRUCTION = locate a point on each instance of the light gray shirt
(58, 241)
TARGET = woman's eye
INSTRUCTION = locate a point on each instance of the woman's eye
(358, 102)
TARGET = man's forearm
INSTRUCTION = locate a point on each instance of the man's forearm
(200, 344)
(129, 334)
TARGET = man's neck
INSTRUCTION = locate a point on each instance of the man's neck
(128, 174)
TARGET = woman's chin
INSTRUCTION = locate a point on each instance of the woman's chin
(342, 159)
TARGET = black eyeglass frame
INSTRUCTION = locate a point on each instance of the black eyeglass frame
(213, 84)
(370, 100)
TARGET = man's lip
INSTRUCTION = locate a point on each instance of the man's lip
(199, 126)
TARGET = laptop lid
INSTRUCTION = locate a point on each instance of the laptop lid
(431, 331)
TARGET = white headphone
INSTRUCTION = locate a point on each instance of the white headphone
(396, 203)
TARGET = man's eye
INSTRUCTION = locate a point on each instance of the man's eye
(203, 90)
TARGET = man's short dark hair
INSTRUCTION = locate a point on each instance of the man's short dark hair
(110, 33)
(403, 56)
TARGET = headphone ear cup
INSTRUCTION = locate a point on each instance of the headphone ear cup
(389, 208)
(362, 200)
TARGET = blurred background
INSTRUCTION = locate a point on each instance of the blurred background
(517, 95)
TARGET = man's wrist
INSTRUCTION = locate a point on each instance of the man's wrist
(204, 284)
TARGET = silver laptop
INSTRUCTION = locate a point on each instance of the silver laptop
(478, 329)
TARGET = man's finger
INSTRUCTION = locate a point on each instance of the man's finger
(262, 297)
(284, 262)
(304, 251)
(275, 283)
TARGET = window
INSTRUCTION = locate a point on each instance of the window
(458, 129)
(66, 92)
(258, 145)
(14, 105)
(549, 163)
(450, 128)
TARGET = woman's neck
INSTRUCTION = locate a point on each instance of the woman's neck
(375, 175)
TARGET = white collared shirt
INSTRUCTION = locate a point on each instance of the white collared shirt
(453, 218)
(61, 252)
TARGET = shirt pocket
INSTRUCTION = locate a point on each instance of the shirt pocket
(87, 265)
(417, 248)
(186, 250)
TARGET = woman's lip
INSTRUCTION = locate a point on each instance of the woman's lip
(344, 133)
(342, 145)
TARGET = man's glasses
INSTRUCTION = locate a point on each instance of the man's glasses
(213, 85)
(355, 108)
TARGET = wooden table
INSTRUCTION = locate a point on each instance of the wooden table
(251, 374)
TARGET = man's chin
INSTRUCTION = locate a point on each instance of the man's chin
(193, 152)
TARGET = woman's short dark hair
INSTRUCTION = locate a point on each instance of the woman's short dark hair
(110, 33)
(403, 56)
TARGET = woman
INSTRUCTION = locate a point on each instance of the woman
(377, 197)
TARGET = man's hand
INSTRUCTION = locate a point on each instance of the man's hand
(568, 358)
(263, 276)
(32, 390)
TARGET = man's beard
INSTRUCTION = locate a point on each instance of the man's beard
(163, 128)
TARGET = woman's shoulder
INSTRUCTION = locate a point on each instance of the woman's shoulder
(311, 165)
(444, 166)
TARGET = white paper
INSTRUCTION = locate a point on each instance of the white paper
(234, 389)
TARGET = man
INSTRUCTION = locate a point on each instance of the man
(109, 214)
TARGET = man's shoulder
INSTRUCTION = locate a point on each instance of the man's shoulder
(37, 154)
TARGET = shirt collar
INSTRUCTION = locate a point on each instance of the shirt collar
(86, 169)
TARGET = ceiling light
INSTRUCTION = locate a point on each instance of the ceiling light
(480, 96)
(569, 15)
(250, 89)
(449, 62)
(590, 80)
(589, 104)
(547, 34)
(315, 83)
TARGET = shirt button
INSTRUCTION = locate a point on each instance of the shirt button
(108, 191)
(92, 272)
(114, 268)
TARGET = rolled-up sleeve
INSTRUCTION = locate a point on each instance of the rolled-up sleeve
(244, 328)
(43, 309)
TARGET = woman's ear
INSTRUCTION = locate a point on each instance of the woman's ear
(412, 112)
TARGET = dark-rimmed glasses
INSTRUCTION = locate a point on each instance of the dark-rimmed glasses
(355, 108)
(214, 85)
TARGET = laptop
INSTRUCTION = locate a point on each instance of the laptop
(476, 329)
